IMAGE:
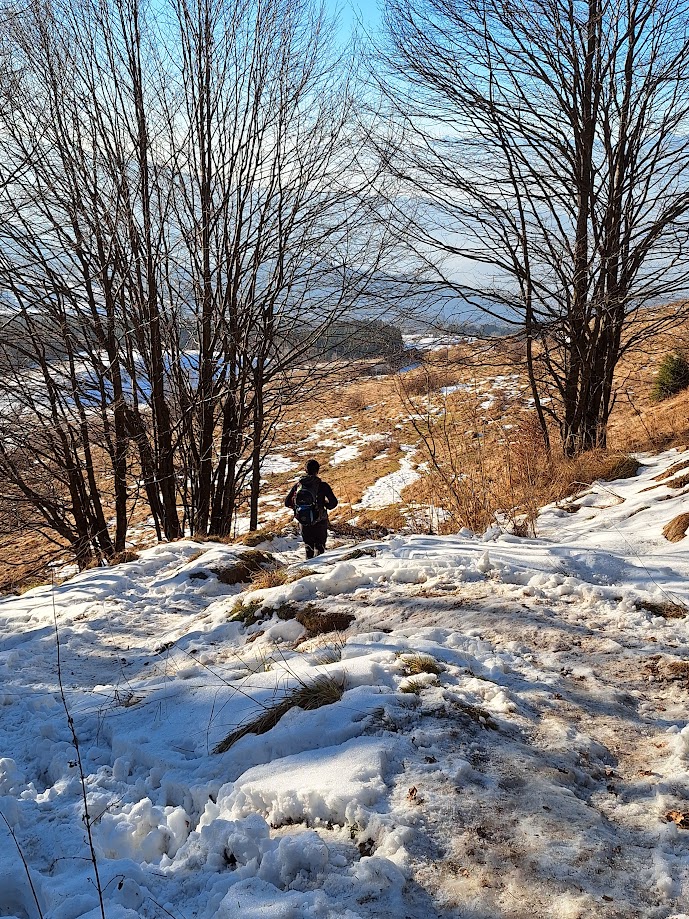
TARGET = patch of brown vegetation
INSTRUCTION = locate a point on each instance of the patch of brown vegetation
(594, 466)
(121, 558)
(314, 620)
(667, 609)
(677, 528)
(324, 690)
(672, 470)
(383, 444)
(427, 379)
(679, 818)
(360, 532)
(680, 482)
(317, 623)
(248, 565)
(383, 519)
(414, 664)
(669, 671)
(679, 670)
(256, 537)
(277, 576)
(273, 577)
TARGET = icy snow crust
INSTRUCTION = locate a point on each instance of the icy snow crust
(529, 776)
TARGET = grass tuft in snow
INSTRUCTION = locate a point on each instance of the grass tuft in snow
(667, 609)
(475, 713)
(256, 537)
(414, 664)
(317, 623)
(273, 577)
(314, 620)
(677, 528)
(249, 564)
(277, 577)
(249, 613)
(679, 670)
(121, 558)
(330, 654)
(324, 690)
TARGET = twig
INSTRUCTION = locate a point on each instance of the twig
(26, 867)
(82, 777)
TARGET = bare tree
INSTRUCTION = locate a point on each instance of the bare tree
(192, 213)
(547, 141)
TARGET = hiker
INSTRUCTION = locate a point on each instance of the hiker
(311, 499)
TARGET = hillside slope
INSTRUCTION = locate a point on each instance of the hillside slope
(501, 730)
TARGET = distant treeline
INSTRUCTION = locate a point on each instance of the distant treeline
(358, 339)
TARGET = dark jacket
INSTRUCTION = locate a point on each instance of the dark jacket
(324, 493)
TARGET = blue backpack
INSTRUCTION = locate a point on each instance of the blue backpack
(306, 509)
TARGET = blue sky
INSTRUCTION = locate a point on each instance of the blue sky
(367, 11)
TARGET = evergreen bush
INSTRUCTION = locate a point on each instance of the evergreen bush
(673, 376)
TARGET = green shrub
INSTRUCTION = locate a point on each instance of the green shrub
(673, 376)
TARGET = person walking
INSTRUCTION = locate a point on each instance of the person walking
(311, 498)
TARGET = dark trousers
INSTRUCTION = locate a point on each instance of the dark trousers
(315, 538)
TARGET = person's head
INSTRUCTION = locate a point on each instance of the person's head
(312, 467)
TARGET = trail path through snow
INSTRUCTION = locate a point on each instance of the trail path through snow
(512, 736)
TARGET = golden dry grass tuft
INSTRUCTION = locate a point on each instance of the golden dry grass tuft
(383, 444)
(414, 664)
(677, 528)
(121, 558)
(314, 619)
(273, 577)
(667, 609)
(249, 565)
(571, 475)
(427, 379)
(324, 690)
(256, 537)
(671, 471)
(317, 623)
(678, 670)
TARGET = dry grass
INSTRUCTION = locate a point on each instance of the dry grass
(277, 577)
(414, 664)
(328, 654)
(427, 379)
(477, 714)
(678, 670)
(324, 690)
(121, 558)
(672, 470)
(680, 482)
(314, 619)
(29, 583)
(677, 528)
(249, 613)
(363, 530)
(256, 537)
(667, 609)
(383, 444)
(492, 459)
(316, 623)
(355, 401)
(249, 565)
(273, 577)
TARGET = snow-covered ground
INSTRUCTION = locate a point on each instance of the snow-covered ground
(512, 739)
(388, 489)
